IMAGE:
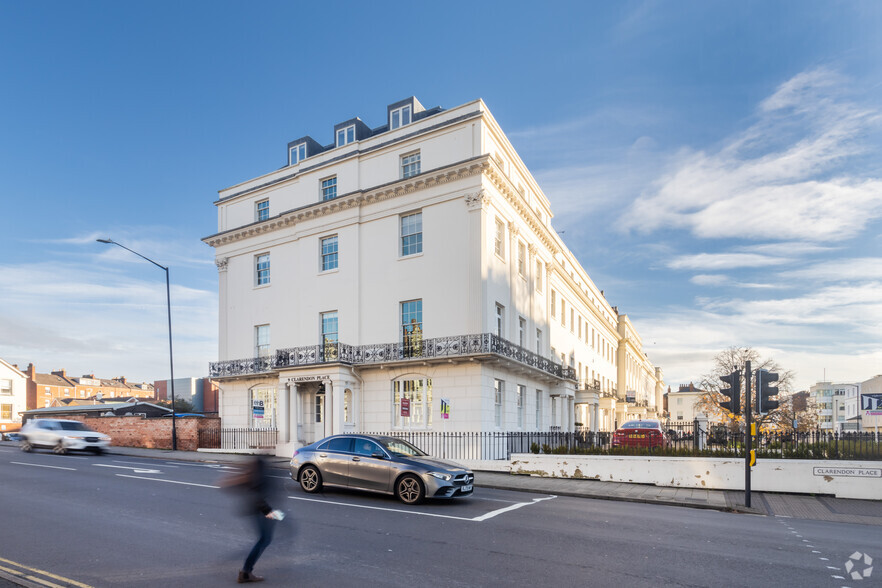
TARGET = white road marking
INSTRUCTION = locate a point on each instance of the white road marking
(168, 481)
(37, 465)
(832, 568)
(492, 514)
(136, 470)
(479, 519)
(214, 466)
(139, 463)
(473, 497)
(425, 514)
(839, 577)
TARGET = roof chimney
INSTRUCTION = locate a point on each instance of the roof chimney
(32, 371)
(61, 373)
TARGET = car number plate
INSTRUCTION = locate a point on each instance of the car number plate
(466, 488)
(632, 436)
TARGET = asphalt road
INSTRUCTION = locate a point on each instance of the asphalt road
(118, 521)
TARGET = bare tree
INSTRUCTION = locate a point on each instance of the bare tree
(734, 359)
(795, 409)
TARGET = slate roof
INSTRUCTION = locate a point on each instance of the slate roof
(53, 380)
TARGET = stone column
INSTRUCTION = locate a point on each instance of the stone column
(222, 350)
(295, 411)
(284, 423)
(333, 408)
(477, 203)
(700, 433)
(511, 315)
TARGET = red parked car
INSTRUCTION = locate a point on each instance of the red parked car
(647, 434)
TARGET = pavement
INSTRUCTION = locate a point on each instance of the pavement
(799, 506)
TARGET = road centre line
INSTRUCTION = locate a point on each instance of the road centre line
(37, 465)
(45, 573)
(168, 481)
(479, 519)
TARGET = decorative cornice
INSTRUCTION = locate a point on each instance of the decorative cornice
(532, 249)
(514, 229)
(424, 180)
(504, 186)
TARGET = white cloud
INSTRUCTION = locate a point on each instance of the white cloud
(93, 318)
(718, 280)
(840, 270)
(785, 177)
(834, 328)
(718, 261)
(787, 248)
(710, 280)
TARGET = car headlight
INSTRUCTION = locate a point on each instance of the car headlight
(440, 476)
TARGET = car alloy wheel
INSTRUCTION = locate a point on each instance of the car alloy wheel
(409, 489)
(310, 479)
(26, 446)
(60, 449)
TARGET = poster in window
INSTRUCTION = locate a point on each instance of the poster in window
(405, 407)
(257, 408)
(445, 408)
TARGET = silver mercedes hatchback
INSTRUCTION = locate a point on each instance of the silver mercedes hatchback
(378, 464)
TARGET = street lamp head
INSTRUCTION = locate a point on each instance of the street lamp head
(104, 240)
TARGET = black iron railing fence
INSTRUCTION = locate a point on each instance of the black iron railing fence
(238, 438)
(438, 347)
(682, 439)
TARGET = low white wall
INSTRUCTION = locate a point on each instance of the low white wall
(843, 479)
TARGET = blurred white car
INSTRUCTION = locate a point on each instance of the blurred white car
(62, 436)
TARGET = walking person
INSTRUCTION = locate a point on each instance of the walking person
(255, 486)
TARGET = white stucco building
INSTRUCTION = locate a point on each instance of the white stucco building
(13, 396)
(372, 282)
(684, 403)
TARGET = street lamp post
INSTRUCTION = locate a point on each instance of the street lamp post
(171, 363)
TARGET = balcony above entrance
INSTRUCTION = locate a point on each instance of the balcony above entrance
(463, 346)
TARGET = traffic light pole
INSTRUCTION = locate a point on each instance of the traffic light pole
(747, 433)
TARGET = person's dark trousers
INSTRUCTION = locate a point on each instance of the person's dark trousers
(265, 528)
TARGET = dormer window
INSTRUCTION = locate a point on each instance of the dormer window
(297, 154)
(345, 136)
(399, 117)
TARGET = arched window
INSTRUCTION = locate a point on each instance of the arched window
(264, 401)
(412, 402)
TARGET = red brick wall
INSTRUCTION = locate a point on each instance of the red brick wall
(155, 433)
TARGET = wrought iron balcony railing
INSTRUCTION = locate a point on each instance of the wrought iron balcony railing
(420, 349)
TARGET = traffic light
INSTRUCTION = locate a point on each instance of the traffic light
(733, 392)
(764, 391)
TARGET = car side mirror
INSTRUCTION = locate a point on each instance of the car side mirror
(378, 455)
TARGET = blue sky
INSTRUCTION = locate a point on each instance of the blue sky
(714, 165)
